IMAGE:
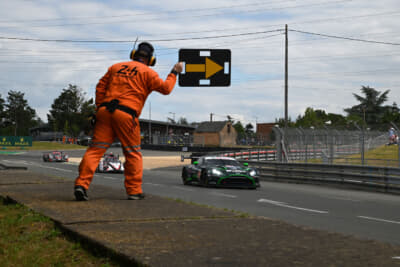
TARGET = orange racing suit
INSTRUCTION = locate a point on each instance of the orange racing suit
(130, 83)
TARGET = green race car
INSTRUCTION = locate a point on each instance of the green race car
(220, 172)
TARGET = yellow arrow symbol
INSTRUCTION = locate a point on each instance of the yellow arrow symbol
(210, 68)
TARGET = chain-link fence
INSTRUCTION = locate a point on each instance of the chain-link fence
(328, 145)
(177, 140)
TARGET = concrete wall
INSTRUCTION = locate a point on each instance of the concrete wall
(207, 139)
(228, 136)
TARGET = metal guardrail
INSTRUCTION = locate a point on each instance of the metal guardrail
(384, 179)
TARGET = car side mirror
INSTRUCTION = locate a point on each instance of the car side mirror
(245, 164)
(195, 162)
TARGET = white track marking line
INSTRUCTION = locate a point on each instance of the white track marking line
(54, 168)
(378, 219)
(183, 188)
(343, 198)
(154, 184)
(282, 204)
(222, 195)
(396, 258)
(16, 162)
(109, 177)
(35, 164)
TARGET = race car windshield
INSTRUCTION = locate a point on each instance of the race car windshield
(222, 162)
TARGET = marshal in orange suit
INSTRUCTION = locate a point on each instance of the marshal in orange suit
(120, 97)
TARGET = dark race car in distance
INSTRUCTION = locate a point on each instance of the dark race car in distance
(55, 156)
(220, 172)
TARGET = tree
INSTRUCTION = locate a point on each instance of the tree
(370, 109)
(19, 116)
(392, 114)
(249, 129)
(183, 121)
(337, 119)
(70, 111)
(239, 128)
(87, 109)
(316, 118)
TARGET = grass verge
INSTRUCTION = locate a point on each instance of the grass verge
(39, 145)
(383, 156)
(30, 239)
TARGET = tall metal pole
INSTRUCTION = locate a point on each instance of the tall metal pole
(286, 76)
(150, 123)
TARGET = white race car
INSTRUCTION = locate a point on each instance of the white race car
(110, 163)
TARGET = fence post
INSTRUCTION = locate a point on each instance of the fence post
(278, 142)
(362, 146)
(313, 142)
(398, 145)
(361, 139)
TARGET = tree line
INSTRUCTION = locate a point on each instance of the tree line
(71, 110)
(369, 113)
(69, 113)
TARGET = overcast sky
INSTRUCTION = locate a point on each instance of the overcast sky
(324, 71)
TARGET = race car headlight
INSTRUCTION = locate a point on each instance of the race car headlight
(216, 172)
(253, 173)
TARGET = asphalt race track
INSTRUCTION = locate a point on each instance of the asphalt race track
(363, 214)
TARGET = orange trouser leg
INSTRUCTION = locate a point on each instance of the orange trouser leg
(128, 132)
(102, 139)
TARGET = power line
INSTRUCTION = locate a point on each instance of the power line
(132, 41)
(197, 16)
(344, 38)
(289, 23)
(152, 13)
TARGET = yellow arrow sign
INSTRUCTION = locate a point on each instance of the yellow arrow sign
(210, 68)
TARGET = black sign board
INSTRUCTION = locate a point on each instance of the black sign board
(205, 67)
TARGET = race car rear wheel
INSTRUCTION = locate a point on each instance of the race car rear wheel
(185, 177)
(204, 178)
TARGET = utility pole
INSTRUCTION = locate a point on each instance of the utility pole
(150, 124)
(211, 116)
(286, 76)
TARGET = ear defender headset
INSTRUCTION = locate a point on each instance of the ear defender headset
(144, 50)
